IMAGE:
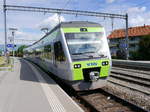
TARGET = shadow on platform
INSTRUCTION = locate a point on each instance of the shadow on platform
(27, 74)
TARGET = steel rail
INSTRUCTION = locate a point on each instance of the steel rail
(124, 102)
(130, 75)
(131, 70)
(129, 87)
(115, 98)
(139, 67)
(130, 80)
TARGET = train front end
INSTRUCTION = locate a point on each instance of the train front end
(90, 57)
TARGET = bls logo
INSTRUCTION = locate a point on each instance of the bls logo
(92, 64)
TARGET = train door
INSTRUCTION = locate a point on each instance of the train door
(59, 59)
(59, 52)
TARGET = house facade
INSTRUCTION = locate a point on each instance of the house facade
(117, 38)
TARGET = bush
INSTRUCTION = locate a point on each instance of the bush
(134, 55)
(114, 57)
(121, 54)
(144, 48)
(19, 52)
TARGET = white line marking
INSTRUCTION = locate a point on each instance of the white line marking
(52, 98)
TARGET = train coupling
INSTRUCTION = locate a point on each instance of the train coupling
(94, 75)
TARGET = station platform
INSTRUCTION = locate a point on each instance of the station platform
(28, 89)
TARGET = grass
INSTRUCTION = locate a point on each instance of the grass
(2, 60)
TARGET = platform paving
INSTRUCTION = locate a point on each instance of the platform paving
(28, 89)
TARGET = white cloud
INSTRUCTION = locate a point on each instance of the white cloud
(26, 36)
(140, 19)
(51, 21)
(1, 37)
(21, 35)
(138, 16)
(136, 9)
(137, 20)
(110, 1)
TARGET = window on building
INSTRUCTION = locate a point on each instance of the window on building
(132, 38)
(132, 45)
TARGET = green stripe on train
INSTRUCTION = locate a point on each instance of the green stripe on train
(78, 73)
(89, 29)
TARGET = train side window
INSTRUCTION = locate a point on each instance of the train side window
(47, 48)
(47, 52)
(59, 53)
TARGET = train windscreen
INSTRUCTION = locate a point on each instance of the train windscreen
(89, 42)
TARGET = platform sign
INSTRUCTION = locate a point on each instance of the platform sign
(122, 44)
(10, 45)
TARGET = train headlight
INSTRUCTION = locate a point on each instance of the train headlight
(77, 66)
(104, 63)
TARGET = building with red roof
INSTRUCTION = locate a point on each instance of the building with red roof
(117, 38)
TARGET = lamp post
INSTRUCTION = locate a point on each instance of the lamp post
(13, 38)
(5, 28)
(127, 38)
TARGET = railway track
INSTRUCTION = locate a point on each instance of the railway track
(139, 67)
(132, 70)
(136, 80)
(103, 101)
(133, 87)
(132, 79)
(132, 73)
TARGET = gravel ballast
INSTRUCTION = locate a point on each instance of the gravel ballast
(135, 97)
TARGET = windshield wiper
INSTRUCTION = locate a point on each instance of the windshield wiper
(82, 53)
(103, 56)
(77, 53)
(88, 52)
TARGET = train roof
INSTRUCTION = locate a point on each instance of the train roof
(79, 24)
(71, 24)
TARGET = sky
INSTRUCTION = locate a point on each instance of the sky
(29, 24)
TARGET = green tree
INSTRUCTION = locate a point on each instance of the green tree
(144, 48)
(0, 52)
(20, 50)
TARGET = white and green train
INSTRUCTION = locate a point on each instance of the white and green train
(77, 52)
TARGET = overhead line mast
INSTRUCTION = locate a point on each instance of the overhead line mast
(72, 12)
(64, 11)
